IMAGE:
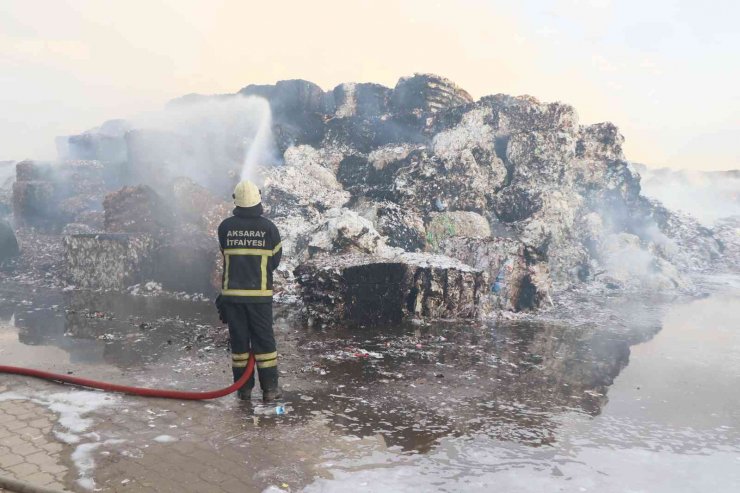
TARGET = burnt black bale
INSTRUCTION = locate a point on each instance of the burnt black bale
(362, 289)
(427, 93)
(361, 99)
(363, 134)
(373, 292)
(515, 203)
(361, 178)
(306, 129)
(403, 227)
(289, 97)
(298, 111)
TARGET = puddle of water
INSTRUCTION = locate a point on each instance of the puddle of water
(516, 406)
(669, 422)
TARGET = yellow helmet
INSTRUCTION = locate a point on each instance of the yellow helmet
(246, 194)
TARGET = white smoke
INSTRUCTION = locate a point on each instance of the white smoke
(7, 173)
(708, 196)
(220, 136)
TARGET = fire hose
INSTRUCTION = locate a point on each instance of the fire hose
(126, 389)
(23, 487)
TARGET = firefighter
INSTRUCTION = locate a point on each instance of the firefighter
(250, 245)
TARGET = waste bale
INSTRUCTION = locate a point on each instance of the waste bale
(187, 269)
(296, 197)
(600, 142)
(344, 230)
(462, 170)
(31, 170)
(425, 183)
(464, 224)
(365, 289)
(82, 179)
(78, 229)
(362, 135)
(427, 93)
(191, 201)
(304, 185)
(361, 99)
(289, 96)
(510, 115)
(136, 209)
(108, 261)
(47, 196)
(298, 110)
(34, 204)
(517, 281)
(540, 158)
(371, 176)
(8, 242)
(402, 227)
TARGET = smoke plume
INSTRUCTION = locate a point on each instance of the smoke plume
(708, 196)
(215, 137)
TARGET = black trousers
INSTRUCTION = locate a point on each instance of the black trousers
(250, 329)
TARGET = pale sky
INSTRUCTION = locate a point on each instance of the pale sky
(666, 72)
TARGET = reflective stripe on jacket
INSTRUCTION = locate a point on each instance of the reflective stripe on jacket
(251, 250)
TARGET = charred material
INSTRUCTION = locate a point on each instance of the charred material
(402, 227)
(148, 239)
(136, 209)
(509, 187)
(518, 281)
(427, 93)
(365, 289)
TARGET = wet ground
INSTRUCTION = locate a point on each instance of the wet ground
(614, 393)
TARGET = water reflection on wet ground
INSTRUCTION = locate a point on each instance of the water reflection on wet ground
(639, 396)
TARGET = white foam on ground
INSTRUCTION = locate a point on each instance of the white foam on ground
(71, 407)
(68, 438)
(83, 460)
(165, 439)
(12, 396)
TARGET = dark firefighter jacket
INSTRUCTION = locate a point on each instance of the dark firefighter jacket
(251, 249)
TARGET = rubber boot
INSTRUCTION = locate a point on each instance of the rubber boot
(244, 393)
(269, 383)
